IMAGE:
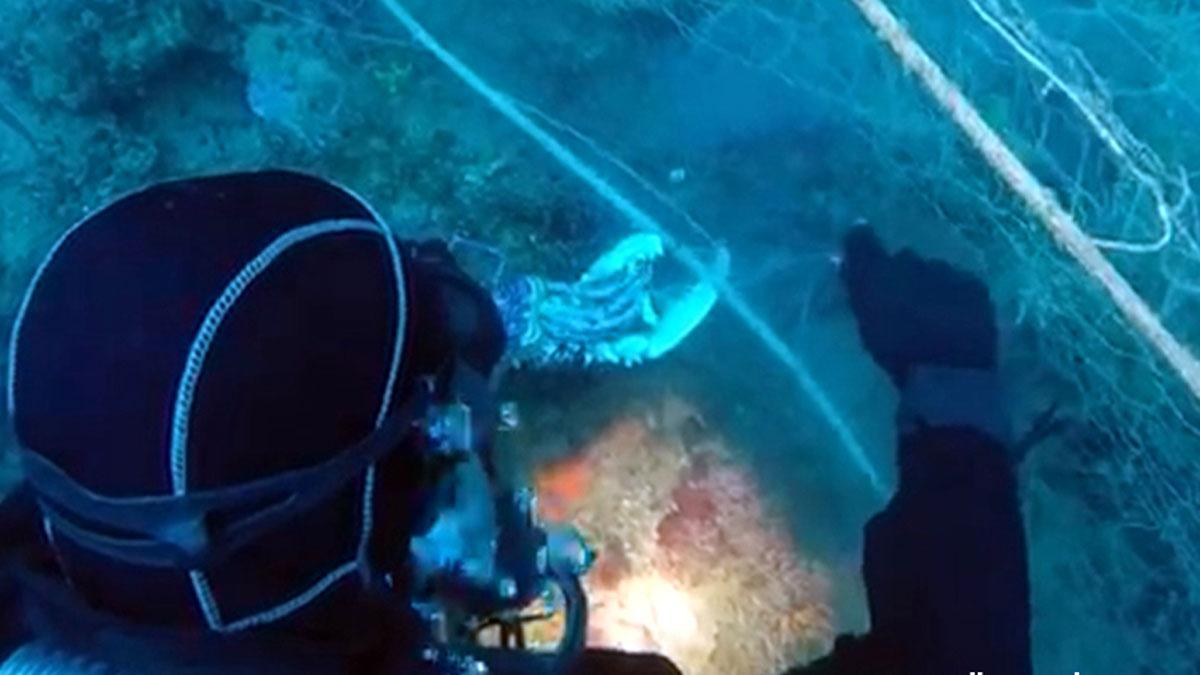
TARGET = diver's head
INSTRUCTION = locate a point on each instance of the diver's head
(184, 358)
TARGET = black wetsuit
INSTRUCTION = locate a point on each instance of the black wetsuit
(36, 604)
(945, 562)
(945, 567)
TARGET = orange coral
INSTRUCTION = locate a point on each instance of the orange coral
(688, 550)
(561, 486)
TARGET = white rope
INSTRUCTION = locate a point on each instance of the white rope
(1134, 156)
(1037, 198)
(507, 107)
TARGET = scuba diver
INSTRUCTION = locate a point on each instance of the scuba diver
(256, 429)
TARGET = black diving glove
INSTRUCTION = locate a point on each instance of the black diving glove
(932, 328)
(913, 312)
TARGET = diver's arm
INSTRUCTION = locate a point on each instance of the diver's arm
(944, 565)
(945, 562)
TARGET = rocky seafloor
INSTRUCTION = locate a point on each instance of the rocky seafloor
(773, 126)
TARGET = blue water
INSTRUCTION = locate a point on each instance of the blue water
(767, 126)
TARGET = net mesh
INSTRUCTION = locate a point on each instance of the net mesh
(1112, 503)
(768, 124)
(1096, 101)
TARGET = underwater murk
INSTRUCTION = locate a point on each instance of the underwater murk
(724, 487)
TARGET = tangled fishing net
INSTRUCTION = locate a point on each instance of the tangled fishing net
(1112, 504)
(1100, 102)
(770, 125)
(1096, 105)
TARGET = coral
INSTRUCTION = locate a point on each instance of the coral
(689, 551)
(88, 57)
(692, 525)
(612, 565)
(289, 83)
(561, 485)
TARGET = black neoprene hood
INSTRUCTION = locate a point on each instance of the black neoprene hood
(205, 334)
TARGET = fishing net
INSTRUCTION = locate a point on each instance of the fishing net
(767, 125)
(1099, 103)
(1096, 103)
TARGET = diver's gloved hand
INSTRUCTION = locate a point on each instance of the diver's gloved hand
(611, 314)
(932, 327)
(913, 312)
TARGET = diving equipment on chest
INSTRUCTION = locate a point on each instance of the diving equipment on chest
(493, 582)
